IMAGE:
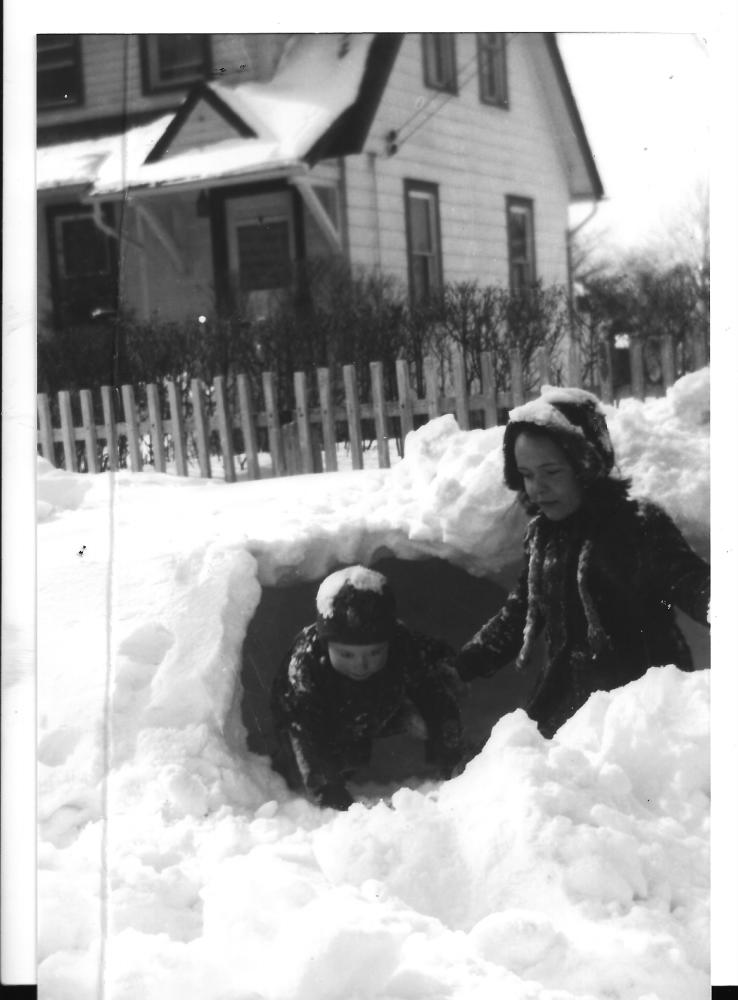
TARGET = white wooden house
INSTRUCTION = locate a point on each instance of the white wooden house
(184, 174)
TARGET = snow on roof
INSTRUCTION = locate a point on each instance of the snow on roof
(359, 577)
(313, 85)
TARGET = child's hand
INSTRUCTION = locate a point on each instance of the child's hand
(472, 661)
(334, 797)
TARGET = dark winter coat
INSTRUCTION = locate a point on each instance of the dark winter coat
(331, 720)
(601, 585)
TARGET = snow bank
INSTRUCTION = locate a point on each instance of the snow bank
(172, 863)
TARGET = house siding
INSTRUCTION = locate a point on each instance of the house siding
(476, 154)
(113, 79)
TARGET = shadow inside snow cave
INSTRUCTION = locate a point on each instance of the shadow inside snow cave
(433, 597)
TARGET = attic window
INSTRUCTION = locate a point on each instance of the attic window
(492, 68)
(169, 62)
(58, 71)
(439, 61)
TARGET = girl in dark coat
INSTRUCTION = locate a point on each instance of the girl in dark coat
(602, 571)
(354, 675)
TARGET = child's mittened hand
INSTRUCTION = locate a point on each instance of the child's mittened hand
(471, 661)
(334, 797)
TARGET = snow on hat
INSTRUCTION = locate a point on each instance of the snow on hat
(355, 606)
(575, 419)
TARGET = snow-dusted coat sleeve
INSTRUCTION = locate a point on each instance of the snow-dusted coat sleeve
(303, 712)
(501, 639)
(674, 570)
(430, 685)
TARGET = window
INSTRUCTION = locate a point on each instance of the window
(439, 61)
(172, 61)
(83, 265)
(492, 68)
(58, 71)
(520, 244)
(264, 258)
(423, 240)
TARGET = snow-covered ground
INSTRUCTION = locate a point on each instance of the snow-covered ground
(174, 864)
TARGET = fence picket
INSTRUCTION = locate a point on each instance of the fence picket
(404, 399)
(155, 427)
(380, 413)
(46, 429)
(605, 370)
(88, 428)
(353, 414)
(516, 377)
(489, 389)
(302, 417)
(668, 361)
(67, 425)
(179, 436)
(131, 415)
(461, 393)
(276, 447)
(111, 426)
(432, 386)
(225, 434)
(202, 428)
(248, 427)
(637, 374)
(327, 419)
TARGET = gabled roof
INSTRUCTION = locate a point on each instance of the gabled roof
(583, 176)
(319, 103)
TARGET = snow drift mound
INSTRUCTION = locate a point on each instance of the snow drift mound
(172, 864)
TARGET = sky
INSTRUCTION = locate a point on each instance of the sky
(644, 101)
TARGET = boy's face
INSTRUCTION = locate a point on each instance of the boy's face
(357, 662)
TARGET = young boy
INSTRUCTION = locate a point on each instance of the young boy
(356, 674)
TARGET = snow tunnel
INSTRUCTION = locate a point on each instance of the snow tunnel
(434, 597)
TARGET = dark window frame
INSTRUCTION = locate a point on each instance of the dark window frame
(151, 82)
(430, 190)
(429, 39)
(492, 63)
(59, 281)
(514, 204)
(74, 52)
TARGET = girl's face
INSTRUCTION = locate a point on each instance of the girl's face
(548, 477)
(357, 662)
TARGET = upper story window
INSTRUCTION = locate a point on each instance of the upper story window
(439, 60)
(520, 244)
(423, 240)
(492, 68)
(58, 71)
(172, 61)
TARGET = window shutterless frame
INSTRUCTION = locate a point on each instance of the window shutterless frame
(521, 248)
(423, 237)
(492, 60)
(171, 62)
(439, 60)
(59, 81)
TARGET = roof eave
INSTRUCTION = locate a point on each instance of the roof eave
(598, 190)
(284, 172)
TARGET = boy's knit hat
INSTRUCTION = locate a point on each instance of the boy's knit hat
(355, 606)
(575, 420)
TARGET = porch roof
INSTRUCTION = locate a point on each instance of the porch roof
(261, 127)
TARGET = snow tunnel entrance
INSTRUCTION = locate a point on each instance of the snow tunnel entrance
(433, 597)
